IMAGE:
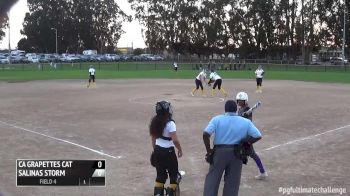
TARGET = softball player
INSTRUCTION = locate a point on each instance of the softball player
(242, 102)
(259, 74)
(92, 73)
(214, 77)
(163, 132)
(175, 66)
(201, 77)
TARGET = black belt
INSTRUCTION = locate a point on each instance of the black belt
(225, 145)
(166, 138)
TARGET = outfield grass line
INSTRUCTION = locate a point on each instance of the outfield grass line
(61, 140)
(303, 138)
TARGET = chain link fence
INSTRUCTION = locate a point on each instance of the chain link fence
(167, 65)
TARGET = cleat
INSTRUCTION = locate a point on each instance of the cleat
(192, 94)
(262, 176)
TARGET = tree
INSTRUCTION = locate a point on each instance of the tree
(90, 24)
(138, 51)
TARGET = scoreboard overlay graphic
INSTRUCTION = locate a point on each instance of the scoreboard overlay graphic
(31, 172)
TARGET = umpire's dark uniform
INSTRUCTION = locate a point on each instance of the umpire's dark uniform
(229, 129)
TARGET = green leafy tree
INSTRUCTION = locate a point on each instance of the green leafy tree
(90, 24)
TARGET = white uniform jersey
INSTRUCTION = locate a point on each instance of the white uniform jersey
(201, 76)
(170, 127)
(175, 65)
(214, 76)
(259, 73)
(92, 71)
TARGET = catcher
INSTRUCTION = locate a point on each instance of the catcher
(242, 102)
(164, 140)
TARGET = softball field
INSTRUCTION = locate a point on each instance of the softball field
(305, 127)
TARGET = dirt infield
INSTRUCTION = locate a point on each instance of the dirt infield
(305, 126)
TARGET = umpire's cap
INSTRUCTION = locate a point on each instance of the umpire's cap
(230, 106)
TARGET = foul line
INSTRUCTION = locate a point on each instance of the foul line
(58, 139)
(304, 138)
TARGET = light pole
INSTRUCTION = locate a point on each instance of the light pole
(56, 38)
(8, 14)
(303, 33)
(343, 48)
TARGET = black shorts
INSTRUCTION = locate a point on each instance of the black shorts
(258, 81)
(218, 83)
(198, 84)
(92, 77)
(166, 164)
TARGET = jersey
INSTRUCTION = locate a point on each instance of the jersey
(169, 128)
(92, 71)
(259, 73)
(214, 76)
(244, 109)
(231, 129)
(201, 76)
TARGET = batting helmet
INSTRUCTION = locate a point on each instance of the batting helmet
(163, 107)
(242, 96)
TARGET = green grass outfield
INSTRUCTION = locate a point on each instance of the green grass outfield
(326, 77)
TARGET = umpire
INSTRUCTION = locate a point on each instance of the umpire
(230, 130)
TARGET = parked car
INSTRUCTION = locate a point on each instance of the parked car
(338, 61)
(4, 60)
(33, 59)
(112, 57)
(158, 58)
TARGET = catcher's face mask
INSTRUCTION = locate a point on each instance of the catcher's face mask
(163, 107)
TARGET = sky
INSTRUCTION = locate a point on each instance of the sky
(131, 36)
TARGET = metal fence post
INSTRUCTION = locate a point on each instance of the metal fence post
(99, 66)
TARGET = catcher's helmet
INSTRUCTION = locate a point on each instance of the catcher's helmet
(242, 96)
(163, 107)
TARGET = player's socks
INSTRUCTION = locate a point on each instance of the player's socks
(173, 186)
(158, 189)
(257, 89)
(192, 92)
(223, 90)
(212, 92)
